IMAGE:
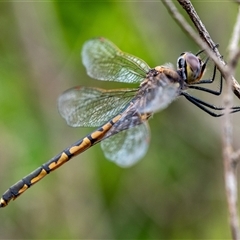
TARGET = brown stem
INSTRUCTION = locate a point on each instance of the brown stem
(203, 39)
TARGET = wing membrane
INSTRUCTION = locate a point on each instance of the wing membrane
(104, 61)
(128, 146)
(92, 107)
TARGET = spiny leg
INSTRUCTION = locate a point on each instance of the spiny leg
(214, 92)
(204, 105)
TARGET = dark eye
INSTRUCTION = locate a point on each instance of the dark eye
(193, 68)
(193, 62)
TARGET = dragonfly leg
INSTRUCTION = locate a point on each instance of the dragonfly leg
(206, 106)
(214, 92)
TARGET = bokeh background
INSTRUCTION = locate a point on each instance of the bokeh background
(175, 191)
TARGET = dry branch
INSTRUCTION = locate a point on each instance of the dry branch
(203, 39)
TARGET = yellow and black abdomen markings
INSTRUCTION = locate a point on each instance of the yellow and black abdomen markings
(80, 146)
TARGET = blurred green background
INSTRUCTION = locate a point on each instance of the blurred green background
(175, 191)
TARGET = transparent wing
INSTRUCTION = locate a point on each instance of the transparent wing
(104, 61)
(158, 94)
(127, 147)
(92, 107)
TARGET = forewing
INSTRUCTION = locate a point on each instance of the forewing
(127, 147)
(92, 107)
(104, 61)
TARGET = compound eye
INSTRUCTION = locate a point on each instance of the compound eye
(193, 68)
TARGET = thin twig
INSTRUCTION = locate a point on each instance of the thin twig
(187, 5)
(236, 155)
(204, 40)
(230, 163)
(234, 51)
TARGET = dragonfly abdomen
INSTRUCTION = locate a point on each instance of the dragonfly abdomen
(80, 146)
(21, 186)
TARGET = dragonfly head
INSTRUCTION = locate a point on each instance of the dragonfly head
(190, 67)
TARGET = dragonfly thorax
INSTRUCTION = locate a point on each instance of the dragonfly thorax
(190, 67)
(169, 72)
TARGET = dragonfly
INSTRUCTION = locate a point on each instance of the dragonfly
(121, 115)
